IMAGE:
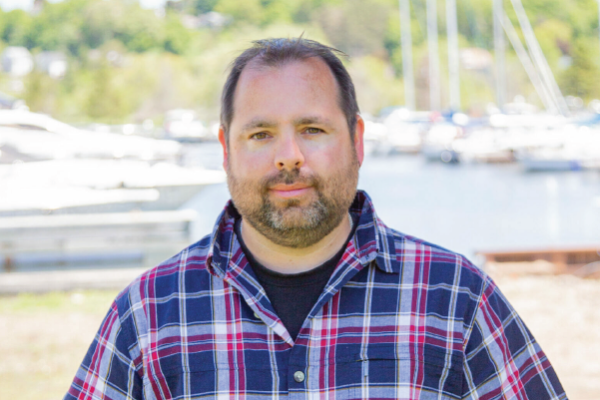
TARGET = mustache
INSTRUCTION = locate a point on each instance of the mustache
(289, 178)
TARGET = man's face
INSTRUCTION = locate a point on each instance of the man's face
(292, 166)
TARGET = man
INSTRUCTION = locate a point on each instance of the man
(301, 291)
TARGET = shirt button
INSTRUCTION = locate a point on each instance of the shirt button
(299, 376)
(256, 316)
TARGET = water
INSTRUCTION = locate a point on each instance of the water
(465, 208)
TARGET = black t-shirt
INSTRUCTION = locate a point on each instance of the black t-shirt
(293, 295)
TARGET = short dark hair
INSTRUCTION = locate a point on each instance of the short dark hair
(279, 51)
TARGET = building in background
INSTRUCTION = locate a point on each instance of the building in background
(17, 61)
(53, 63)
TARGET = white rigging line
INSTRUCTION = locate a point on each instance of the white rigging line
(538, 58)
(499, 53)
(407, 59)
(434, 60)
(523, 56)
(453, 60)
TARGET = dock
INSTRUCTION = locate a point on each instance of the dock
(582, 261)
(112, 239)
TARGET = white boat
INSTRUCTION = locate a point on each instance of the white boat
(550, 160)
(484, 145)
(405, 138)
(184, 125)
(437, 143)
(403, 135)
(539, 120)
(75, 186)
(40, 137)
(375, 138)
(571, 149)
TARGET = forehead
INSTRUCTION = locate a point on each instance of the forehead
(301, 84)
(311, 70)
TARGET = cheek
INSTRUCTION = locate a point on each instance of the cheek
(248, 171)
(244, 163)
(333, 160)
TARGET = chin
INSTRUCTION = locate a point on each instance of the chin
(294, 217)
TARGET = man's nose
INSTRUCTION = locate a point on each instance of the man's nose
(289, 154)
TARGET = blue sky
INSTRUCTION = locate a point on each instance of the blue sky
(8, 5)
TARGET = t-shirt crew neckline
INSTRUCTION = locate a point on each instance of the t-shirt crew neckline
(280, 288)
(299, 279)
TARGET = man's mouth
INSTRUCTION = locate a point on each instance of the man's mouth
(288, 191)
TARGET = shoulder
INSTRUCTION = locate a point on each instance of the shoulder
(444, 276)
(169, 277)
(437, 262)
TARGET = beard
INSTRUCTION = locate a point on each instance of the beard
(288, 222)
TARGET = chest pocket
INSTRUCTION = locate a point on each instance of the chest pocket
(208, 381)
(384, 373)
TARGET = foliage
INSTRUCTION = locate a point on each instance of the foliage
(16, 27)
(581, 79)
(355, 26)
(164, 62)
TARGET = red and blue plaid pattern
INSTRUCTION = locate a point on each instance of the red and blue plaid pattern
(399, 319)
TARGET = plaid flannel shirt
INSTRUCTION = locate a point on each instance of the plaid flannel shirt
(399, 319)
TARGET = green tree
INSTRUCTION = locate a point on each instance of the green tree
(107, 101)
(356, 27)
(581, 79)
(101, 20)
(203, 6)
(16, 28)
(58, 27)
(279, 11)
(242, 11)
(41, 92)
(177, 36)
(554, 37)
(140, 30)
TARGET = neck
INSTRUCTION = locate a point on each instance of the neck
(289, 260)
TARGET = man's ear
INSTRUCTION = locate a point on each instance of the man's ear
(223, 140)
(359, 143)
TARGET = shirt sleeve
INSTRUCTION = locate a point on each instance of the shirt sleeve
(108, 371)
(502, 359)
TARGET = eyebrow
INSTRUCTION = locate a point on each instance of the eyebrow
(264, 123)
(312, 120)
(258, 123)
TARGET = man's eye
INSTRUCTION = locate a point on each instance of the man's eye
(259, 136)
(313, 131)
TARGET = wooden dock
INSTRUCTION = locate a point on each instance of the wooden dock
(582, 261)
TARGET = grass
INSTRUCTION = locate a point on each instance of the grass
(43, 338)
(90, 301)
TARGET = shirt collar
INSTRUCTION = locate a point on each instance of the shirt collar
(373, 240)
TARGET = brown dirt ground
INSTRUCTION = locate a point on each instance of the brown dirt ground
(42, 345)
(563, 313)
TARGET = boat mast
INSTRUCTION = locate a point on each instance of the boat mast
(527, 64)
(434, 60)
(453, 61)
(407, 58)
(538, 58)
(499, 53)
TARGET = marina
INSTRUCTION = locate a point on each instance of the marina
(482, 136)
(463, 207)
(77, 199)
(502, 183)
(508, 176)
